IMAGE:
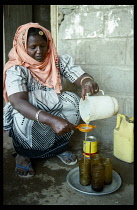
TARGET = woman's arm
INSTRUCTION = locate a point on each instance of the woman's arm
(20, 102)
(88, 85)
(76, 75)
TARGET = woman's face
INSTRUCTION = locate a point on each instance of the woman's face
(37, 48)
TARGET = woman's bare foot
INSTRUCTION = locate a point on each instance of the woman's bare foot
(23, 166)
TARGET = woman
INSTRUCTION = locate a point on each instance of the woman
(38, 116)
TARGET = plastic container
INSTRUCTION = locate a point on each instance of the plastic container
(97, 107)
(123, 146)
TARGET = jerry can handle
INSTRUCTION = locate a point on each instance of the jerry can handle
(102, 92)
(119, 119)
(88, 94)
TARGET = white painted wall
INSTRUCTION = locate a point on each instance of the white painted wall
(100, 40)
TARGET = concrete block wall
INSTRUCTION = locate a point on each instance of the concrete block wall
(100, 40)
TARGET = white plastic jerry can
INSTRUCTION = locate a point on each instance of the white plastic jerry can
(123, 147)
(97, 107)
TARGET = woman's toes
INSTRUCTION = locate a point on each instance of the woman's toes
(23, 166)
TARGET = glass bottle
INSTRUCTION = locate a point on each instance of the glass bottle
(85, 171)
(108, 170)
(95, 159)
(98, 177)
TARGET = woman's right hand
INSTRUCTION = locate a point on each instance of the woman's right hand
(61, 126)
(20, 102)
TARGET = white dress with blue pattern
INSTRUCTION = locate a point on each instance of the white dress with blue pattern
(31, 138)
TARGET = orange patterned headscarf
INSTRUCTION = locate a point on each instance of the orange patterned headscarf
(46, 72)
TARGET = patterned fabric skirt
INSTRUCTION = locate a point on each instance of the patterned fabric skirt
(37, 140)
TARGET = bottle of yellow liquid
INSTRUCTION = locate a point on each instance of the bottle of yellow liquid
(123, 147)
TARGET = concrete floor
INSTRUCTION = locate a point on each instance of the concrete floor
(49, 186)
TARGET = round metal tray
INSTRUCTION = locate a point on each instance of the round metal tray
(73, 181)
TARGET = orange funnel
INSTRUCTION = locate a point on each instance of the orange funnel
(85, 127)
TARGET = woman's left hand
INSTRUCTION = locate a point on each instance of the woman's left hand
(89, 86)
